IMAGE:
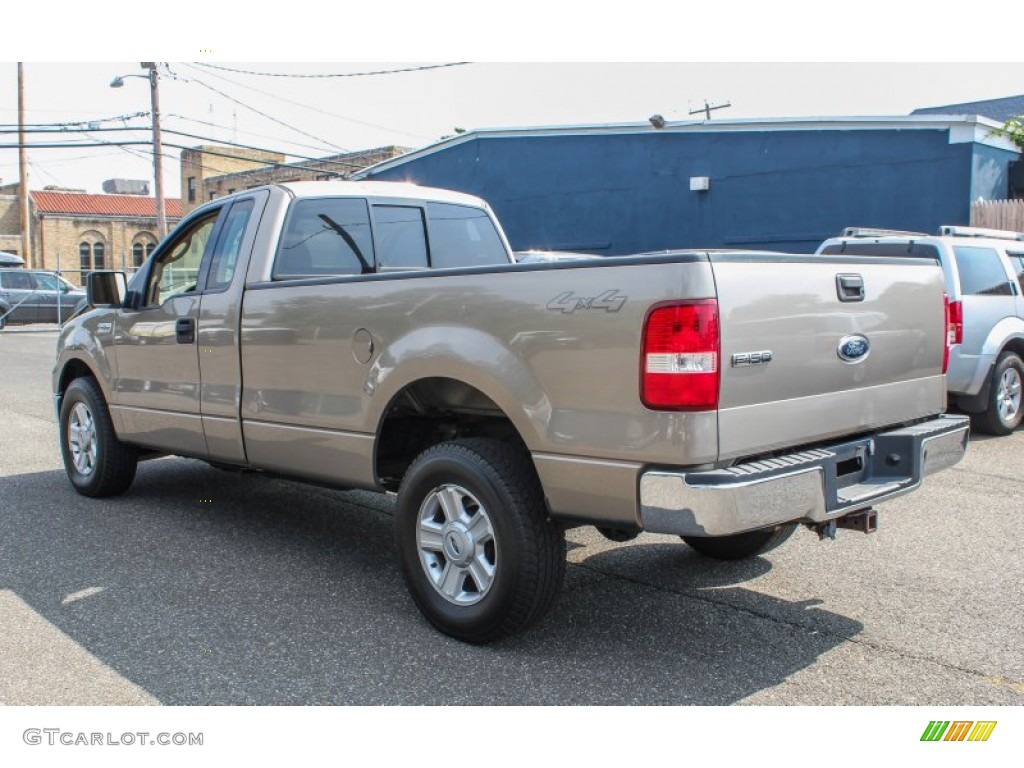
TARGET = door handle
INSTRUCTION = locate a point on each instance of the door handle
(850, 287)
(185, 330)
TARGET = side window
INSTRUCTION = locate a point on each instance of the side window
(981, 272)
(47, 282)
(325, 236)
(229, 245)
(1017, 262)
(18, 281)
(401, 237)
(461, 236)
(177, 271)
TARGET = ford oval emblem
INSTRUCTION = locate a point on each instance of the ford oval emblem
(853, 349)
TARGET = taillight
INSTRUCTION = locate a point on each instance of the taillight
(679, 363)
(955, 323)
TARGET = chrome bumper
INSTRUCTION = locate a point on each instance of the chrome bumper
(810, 486)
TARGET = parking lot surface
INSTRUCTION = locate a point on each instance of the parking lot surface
(201, 586)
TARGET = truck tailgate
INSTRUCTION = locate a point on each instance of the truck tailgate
(796, 357)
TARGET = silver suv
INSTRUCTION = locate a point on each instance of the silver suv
(984, 273)
(35, 296)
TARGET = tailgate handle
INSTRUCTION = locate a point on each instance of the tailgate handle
(850, 287)
(185, 330)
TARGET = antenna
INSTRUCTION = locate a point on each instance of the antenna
(708, 108)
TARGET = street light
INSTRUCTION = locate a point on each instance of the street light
(158, 173)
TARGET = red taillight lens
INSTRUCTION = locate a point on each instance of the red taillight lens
(955, 323)
(679, 363)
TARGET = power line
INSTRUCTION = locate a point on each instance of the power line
(199, 137)
(334, 74)
(315, 109)
(248, 133)
(264, 114)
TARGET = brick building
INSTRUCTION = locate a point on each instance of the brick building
(10, 224)
(78, 232)
(209, 172)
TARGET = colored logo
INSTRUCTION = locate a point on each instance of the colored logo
(853, 349)
(958, 730)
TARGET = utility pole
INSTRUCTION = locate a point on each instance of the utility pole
(158, 171)
(26, 234)
(707, 109)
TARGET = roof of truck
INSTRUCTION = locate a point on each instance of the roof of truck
(380, 189)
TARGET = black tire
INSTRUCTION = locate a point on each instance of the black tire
(515, 538)
(1005, 407)
(3, 317)
(108, 469)
(742, 545)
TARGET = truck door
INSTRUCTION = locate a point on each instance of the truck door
(157, 392)
(222, 282)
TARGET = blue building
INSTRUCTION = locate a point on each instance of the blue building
(781, 184)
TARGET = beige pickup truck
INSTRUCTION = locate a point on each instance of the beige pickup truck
(380, 336)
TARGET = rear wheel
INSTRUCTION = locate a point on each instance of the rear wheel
(479, 553)
(96, 462)
(742, 545)
(1003, 411)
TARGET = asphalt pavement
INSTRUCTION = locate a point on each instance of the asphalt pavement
(201, 586)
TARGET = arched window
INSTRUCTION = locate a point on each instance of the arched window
(84, 257)
(143, 245)
(98, 256)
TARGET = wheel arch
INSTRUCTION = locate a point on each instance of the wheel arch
(431, 410)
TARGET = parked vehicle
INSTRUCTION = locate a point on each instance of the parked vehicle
(35, 296)
(380, 336)
(984, 276)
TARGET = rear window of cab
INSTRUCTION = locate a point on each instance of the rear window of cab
(353, 236)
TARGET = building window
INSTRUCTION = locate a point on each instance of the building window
(98, 256)
(85, 257)
(191, 189)
(142, 248)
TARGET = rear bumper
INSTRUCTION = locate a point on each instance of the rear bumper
(810, 486)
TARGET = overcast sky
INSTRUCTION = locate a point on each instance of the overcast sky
(315, 116)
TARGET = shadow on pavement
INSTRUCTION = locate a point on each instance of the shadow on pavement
(205, 587)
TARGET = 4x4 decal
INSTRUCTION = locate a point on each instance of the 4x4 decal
(609, 301)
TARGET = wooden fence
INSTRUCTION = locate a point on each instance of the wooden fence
(998, 214)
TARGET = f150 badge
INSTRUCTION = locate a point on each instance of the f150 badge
(743, 359)
(853, 349)
(609, 301)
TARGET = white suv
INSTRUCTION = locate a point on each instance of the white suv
(984, 271)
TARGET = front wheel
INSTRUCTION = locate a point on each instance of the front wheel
(742, 545)
(1003, 411)
(96, 462)
(479, 553)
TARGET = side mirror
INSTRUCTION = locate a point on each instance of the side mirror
(106, 289)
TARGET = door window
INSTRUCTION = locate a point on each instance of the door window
(177, 270)
(18, 281)
(47, 283)
(229, 245)
(325, 236)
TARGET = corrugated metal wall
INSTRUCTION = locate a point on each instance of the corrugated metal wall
(779, 190)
